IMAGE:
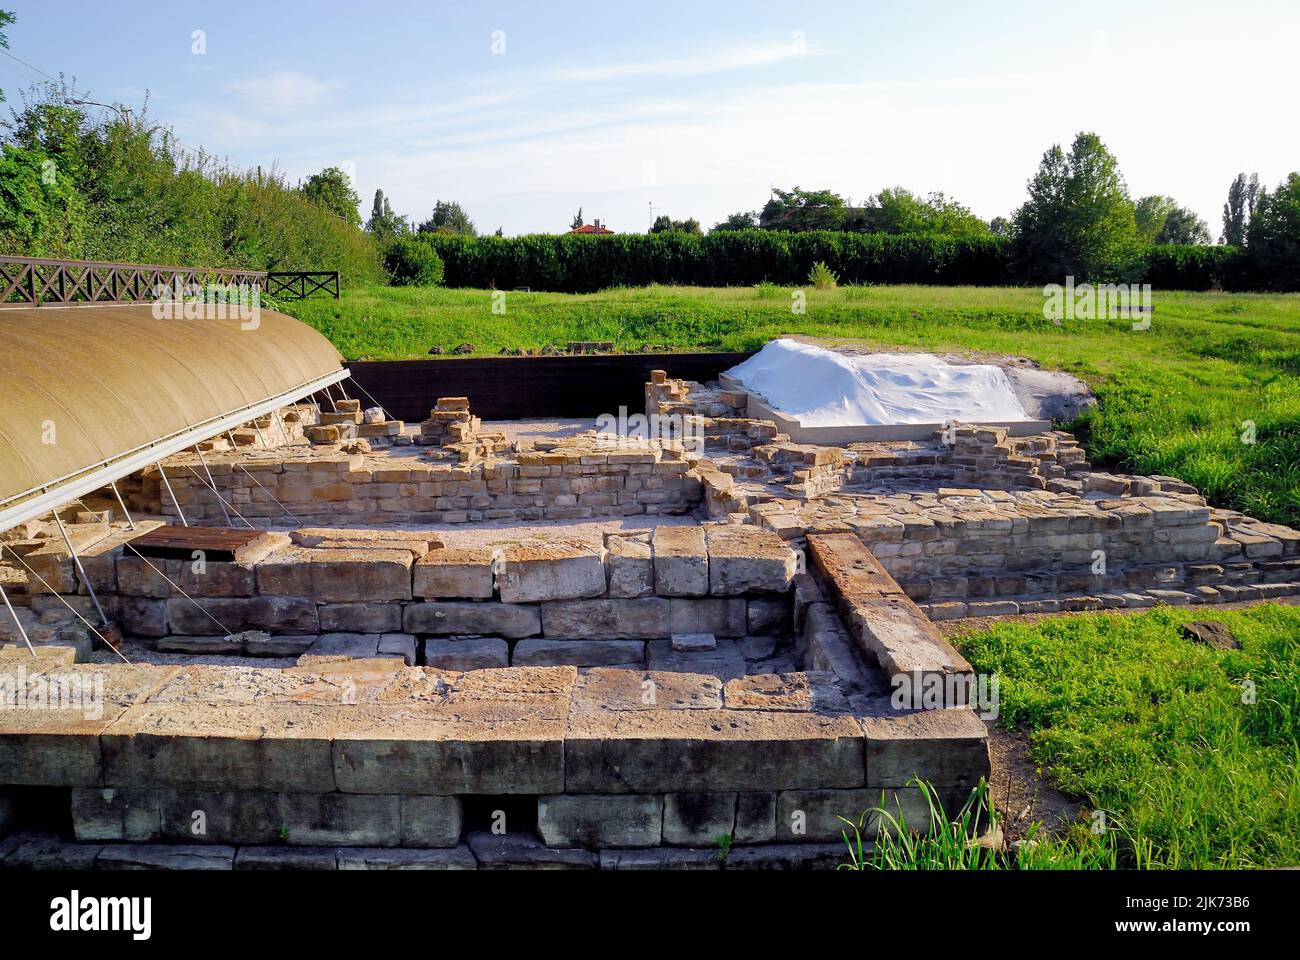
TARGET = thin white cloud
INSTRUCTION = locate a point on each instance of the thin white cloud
(285, 90)
(716, 61)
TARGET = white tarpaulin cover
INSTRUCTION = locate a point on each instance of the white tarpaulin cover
(822, 388)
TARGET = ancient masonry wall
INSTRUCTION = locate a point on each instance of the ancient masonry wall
(978, 523)
(576, 478)
(371, 764)
(417, 596)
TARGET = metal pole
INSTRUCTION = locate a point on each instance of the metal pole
(18, 623)
(122, 503)
(213, 484)
(167, 483)
(76, 560)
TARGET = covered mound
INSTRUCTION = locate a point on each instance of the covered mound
(822, 388)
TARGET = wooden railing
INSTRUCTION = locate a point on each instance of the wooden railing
(34, 282)
(302, 284)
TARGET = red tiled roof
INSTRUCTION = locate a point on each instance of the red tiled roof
(591, 228)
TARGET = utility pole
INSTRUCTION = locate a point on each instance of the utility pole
(652, 211)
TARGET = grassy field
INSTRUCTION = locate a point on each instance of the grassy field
(1193, 765)
(1174, 399)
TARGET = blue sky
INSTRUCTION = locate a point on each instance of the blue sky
(525, 111)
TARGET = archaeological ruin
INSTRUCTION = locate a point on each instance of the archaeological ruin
(251, 621)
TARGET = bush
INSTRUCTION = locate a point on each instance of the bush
(1186, 267)
(822, 277)
(412, 262)
(572, 263)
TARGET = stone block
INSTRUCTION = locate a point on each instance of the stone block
(451, 618)
(788, 856)
(286, 858)
(401, 858)
(360, 617)
(768, 616)
(210, 615)
(606, 619)
(342, 819)
(720, 616)
(220, 816)
(661, 858)
(755, 818)
(938, 746)
(673, 750)
(809, 816)
(162, 856)
(554, 571)
(724, 661)
(466, 653)
(579, 653)
(431, 821)
(747, 559)
(517, 851)
(698, 819)
(631, 567)
(593, 821)
(398, 645)
(117, 815)
(355, 645)
(681, 561)
(464, 572)
(42, 851)
(694, 642)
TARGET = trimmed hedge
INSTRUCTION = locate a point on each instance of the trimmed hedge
(574, 263)
(1185, 267)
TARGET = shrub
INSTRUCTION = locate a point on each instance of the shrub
(582, 264)
(1187, 267)
(822, 277)
(412, 262)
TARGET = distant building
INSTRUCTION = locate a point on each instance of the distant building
(596, 228)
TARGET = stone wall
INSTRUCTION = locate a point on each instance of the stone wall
(573, 478)
(423, 597)
(376, 765)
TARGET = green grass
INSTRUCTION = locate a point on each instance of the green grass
(1154, 729)
(1174, 398)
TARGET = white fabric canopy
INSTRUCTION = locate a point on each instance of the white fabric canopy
(822, 388)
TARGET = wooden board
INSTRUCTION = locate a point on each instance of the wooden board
(174, 542)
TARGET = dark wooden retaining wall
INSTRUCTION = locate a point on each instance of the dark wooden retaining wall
(512, 388)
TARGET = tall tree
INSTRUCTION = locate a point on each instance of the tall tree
(1239, 209)
(577, 220)
(332, 189)
(6, 18)
(1161, 220)
(1273, 237)
(745, 220)
(800, 210)
(449, 217)
(666, 224)
(384, 224)
(897, 210)
(1078, 220)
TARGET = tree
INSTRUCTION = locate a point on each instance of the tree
(1150, 214)
(896, 210)
(666, 224)
(1000, 227)
(500, 232)
(1273, 237)
(332, 190)
(1161, 220)
(384, 224)
(1183, 226)
(577, 220)
(449, 217)
(6, 18)
(745, 220)
(1239, 209)
(799, 210)
(1078, 220)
